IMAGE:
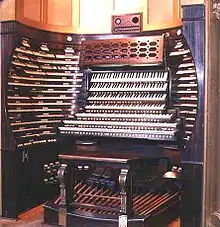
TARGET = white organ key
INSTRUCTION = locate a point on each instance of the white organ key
(154, 76)
(169, 126)
(138, 116)
(127, 97)
(129, 87)
(126, 107)
(147, 134)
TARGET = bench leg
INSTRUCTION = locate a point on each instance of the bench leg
(62, 213)
(125, 183)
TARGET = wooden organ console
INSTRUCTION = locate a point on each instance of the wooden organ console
(139, 111)
(106, 127)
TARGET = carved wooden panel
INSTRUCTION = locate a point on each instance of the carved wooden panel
(138, 50)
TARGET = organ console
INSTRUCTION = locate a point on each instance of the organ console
(140, 104)
(105, 127)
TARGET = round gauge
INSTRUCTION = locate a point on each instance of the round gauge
(117, 21)
(135, 20)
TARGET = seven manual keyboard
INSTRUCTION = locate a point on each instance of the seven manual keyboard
(128, 104)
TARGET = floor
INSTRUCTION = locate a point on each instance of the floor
(34, 218)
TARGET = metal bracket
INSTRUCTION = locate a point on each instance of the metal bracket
(123, 192)
(25, 156)
(123, 221)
